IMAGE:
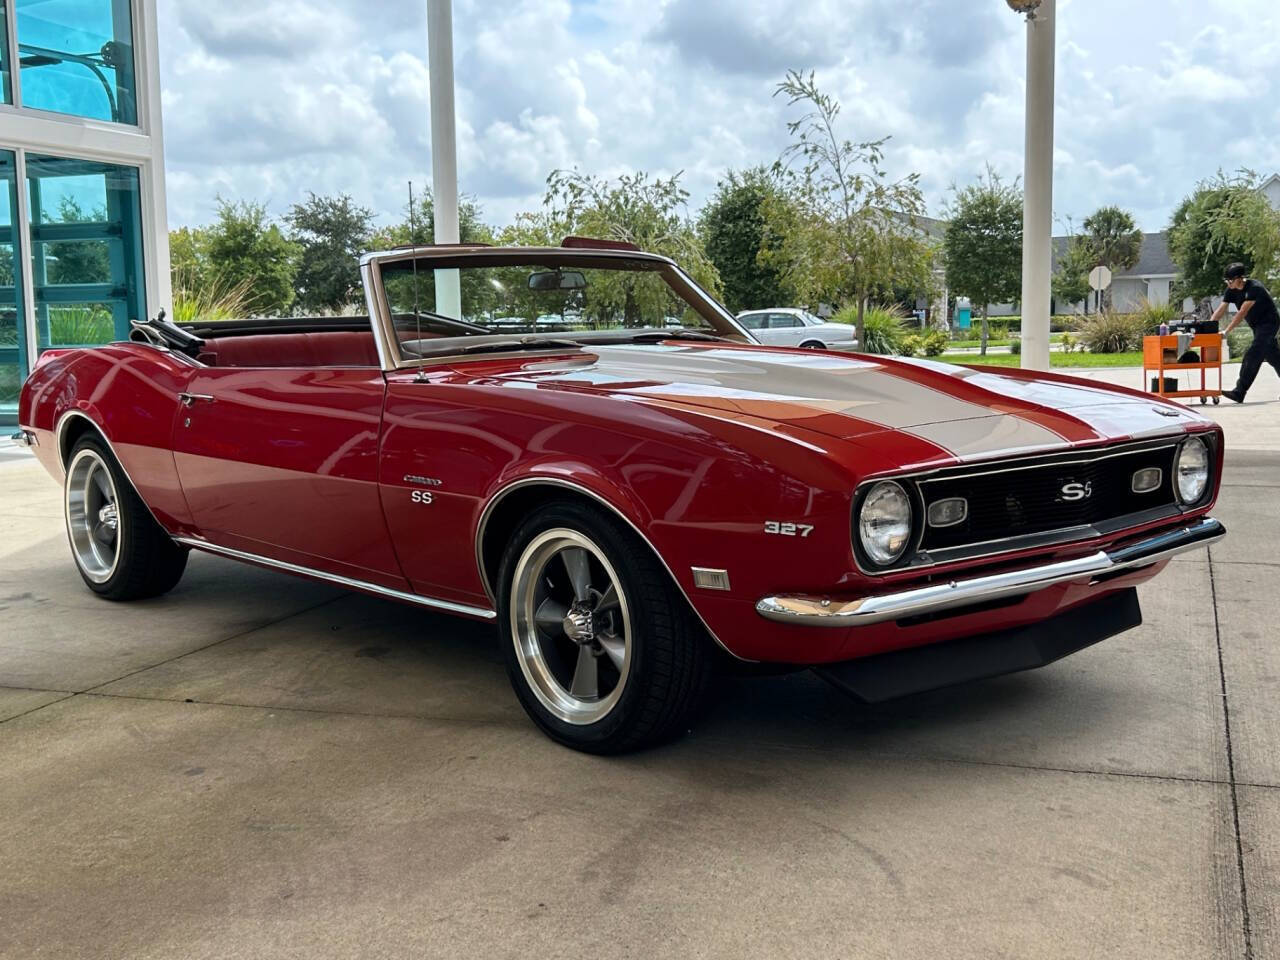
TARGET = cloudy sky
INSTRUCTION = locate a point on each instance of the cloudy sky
(268, 99)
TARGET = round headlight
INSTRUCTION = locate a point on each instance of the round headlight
(884, 522)
(1191, 470)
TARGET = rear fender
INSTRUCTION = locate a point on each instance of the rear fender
(128, 394)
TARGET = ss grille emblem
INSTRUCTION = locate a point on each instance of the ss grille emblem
(1076, 491)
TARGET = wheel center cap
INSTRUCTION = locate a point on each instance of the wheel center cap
(579, 625)
(108, 516)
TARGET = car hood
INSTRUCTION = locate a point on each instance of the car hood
(964, 411)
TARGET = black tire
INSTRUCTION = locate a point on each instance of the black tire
(669, 652)
(813, 345)
(146, 561)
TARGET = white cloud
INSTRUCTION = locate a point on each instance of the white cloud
(271, 98)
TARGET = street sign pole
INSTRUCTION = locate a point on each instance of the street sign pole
(1099, 280)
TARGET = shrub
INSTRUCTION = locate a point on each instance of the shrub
(1238, 341)
(210, 300)
(883, 329)
(911, 345)
(90, 324)
(934, 343)
(1068, 343)
(1155, 314)
(1015, 346)
(996, 329)
(1110, 332)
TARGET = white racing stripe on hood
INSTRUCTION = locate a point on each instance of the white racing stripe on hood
(825, 383)
(988, 435)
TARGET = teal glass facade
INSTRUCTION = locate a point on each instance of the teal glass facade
(13, 360)
(76, 57)
(6, 88)
(83, 238)
(86, 250)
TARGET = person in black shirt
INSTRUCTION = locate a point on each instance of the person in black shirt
(1256, 307)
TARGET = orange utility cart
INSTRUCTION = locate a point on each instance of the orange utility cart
(1160, 357)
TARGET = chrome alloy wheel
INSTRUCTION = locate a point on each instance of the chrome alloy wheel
(571, 626)
(93, 516)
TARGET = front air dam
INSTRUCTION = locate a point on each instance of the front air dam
(888, 676)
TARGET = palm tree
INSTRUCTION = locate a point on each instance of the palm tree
(1114, 239)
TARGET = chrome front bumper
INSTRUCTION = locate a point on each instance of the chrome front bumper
(826, 612)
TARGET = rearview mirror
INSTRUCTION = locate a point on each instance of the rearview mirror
(557, 280)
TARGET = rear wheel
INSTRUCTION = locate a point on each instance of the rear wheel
(600, 646)
(119, 549)
(813, 345)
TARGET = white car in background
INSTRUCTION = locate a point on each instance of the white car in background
(789, 327)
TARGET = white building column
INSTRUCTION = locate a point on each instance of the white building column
(444, 149)
(1037, 210)
(155, 208)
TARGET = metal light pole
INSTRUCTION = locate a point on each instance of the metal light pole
(444, 147)
(1037, 204)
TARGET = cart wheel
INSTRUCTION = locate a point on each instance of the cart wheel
(1215, 400)
(1203, 401)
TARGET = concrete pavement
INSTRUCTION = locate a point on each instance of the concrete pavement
(1252, 425)
(257, 766)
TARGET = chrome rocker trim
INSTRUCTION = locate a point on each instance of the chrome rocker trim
(826, 612)
(447, 606)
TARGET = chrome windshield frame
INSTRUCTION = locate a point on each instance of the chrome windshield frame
(384, 330)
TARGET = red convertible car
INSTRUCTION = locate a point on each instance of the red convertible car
(581, 445)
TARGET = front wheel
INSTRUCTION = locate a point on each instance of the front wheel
(119, 549)
(813, 345)
(600, 646)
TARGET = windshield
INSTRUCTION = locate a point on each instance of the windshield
(557, 295)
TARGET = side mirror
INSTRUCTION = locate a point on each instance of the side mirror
(557, 280)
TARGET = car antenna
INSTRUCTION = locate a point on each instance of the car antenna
(417, 316)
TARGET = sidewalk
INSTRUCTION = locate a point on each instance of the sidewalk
(1252, 425)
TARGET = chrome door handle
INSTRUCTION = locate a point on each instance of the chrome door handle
(189, 399)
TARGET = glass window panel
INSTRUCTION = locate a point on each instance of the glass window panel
(86, 250)
(12, 338)
(76, 57)
(531, 298)
(6, 88)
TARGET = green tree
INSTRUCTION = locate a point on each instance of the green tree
(331, 234)
(1225, 220)
(418, 228)
(1070, 283)
(189, 249)
(1114, 238)
(650, 213)
(245, 249)
(419, 225)
(841, 228)
(78, 261)
(734, 233)
(983, 244)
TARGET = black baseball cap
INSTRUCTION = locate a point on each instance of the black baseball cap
(1235, 271)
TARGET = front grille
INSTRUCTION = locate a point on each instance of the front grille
(1067, 492)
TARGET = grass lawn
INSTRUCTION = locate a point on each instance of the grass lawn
(975, 344)
(1133, 359)
(1003, 342)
